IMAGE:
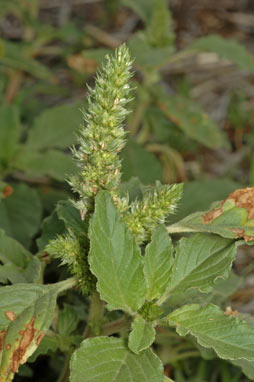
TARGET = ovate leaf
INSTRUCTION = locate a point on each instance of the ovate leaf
(19, 265)
(26, 313)
(192, 120)
(226, 49)
(200, 260)
(227, 335)
(53, 163)
(115, 258)
(20, 213)
(142, 334)
(199, 194)
(55, 127)
(157, 263)
(109, 360)
(230, 218)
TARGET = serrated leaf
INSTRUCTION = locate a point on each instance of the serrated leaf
(222, 290)
(226, 49)
(230, 218)
(19, 265)
(140, 163)
(53, 163)
(192, 120)
(26, 313)
(115, 258)
(20, 213)
(227, 335)
(142, 334)
(157, 263)
(9, 133)
(55, 127)
(110, 360)
(200, 259)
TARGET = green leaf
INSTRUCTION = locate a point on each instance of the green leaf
(200, 260)
(143, 8)
(230, 218)
(53, 163)
(157, 263)
(49, 343)
(220, 295)
(192, 120)
(142, 334)
(51, 227)
(199, 194)
(115, 258)
(109, 360)
(226, 49)
(67, 320)
(147, 57)
(16, 56)
(50, 196)
(55, 127)
(9, 133)
(227, 335)
(246, 366)
(20, 213)
(140, 163)
(26, 313)
(70, 215)
(19, 265)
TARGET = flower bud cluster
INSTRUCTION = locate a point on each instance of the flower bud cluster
(143, 215)
(69, 249)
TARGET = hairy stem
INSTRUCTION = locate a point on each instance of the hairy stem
(95, 317)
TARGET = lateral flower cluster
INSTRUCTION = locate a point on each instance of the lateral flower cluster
(144, 215)
(102, 136)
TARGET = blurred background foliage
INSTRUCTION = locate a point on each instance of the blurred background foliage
(192, 121)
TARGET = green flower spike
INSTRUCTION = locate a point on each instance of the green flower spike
(103, 136)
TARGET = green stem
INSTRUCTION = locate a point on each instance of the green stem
(95, 317)
(66, 284)
(116, 326)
